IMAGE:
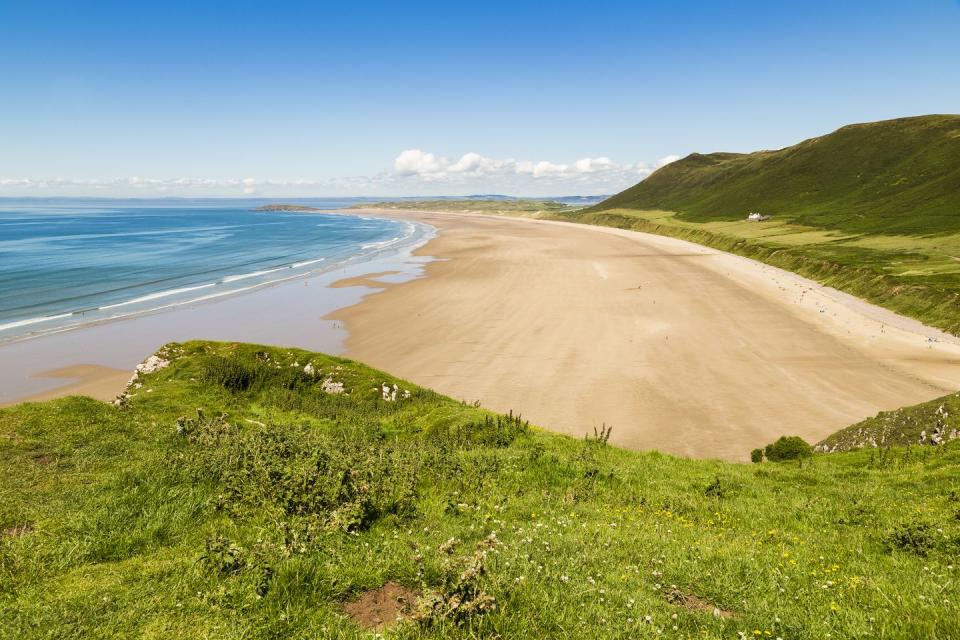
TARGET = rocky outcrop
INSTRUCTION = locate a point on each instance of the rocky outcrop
(160, 360)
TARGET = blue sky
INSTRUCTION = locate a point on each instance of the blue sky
(404, 98)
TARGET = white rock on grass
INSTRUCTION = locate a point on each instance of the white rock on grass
(389, 393)
(329, 385)
(151, 365)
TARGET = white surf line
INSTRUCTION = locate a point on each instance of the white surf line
(429, 233)
(252, 274)
(155, 296)
(29, 321)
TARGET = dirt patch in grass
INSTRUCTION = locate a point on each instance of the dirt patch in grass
(17, 530)
(43, 459)
(695, 603)
(382, 607)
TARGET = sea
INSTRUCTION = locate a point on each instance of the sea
(69, 262)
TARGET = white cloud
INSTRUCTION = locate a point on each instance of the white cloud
(414, 172)
(418, 165)
(414, 162)
(665, 160)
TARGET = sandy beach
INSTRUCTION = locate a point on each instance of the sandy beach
(679, 347)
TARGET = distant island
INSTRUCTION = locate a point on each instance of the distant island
(286, 207)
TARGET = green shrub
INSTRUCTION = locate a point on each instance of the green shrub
(788, 448)
(223, 556)
(715, 489)
(460, 595)
(756, 455)
(915, 537)
(230, 373)
(345, 481)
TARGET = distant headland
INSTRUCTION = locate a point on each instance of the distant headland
(286, 207)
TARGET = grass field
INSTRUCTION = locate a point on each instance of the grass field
(306, 480)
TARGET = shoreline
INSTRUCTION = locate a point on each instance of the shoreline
(168, 301)
(682, 348)
(571, 325)
(98, 358)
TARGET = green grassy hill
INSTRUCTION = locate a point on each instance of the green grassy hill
(253, 492)
(892, 177)
(914, 425)
(871, 209)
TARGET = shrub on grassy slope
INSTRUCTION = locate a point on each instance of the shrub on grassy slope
(785, 448)
(788, 448)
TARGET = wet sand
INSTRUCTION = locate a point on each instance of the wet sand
(96, 381)
(679, 347)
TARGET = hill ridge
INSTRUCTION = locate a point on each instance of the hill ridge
(900, 175)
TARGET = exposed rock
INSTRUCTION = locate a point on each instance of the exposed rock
(152, 364)
(329, 385)
(160, 360)
(389, 393)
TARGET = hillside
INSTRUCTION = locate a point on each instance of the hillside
(245, 491)
(871, 209)
(935, 421)
(892, 177)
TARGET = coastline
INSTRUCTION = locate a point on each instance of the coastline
(681, 348)
(212, 289)
(98, 357)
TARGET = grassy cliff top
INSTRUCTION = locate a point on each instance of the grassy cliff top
(937, 420)
(891, 177)
(245, 491)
